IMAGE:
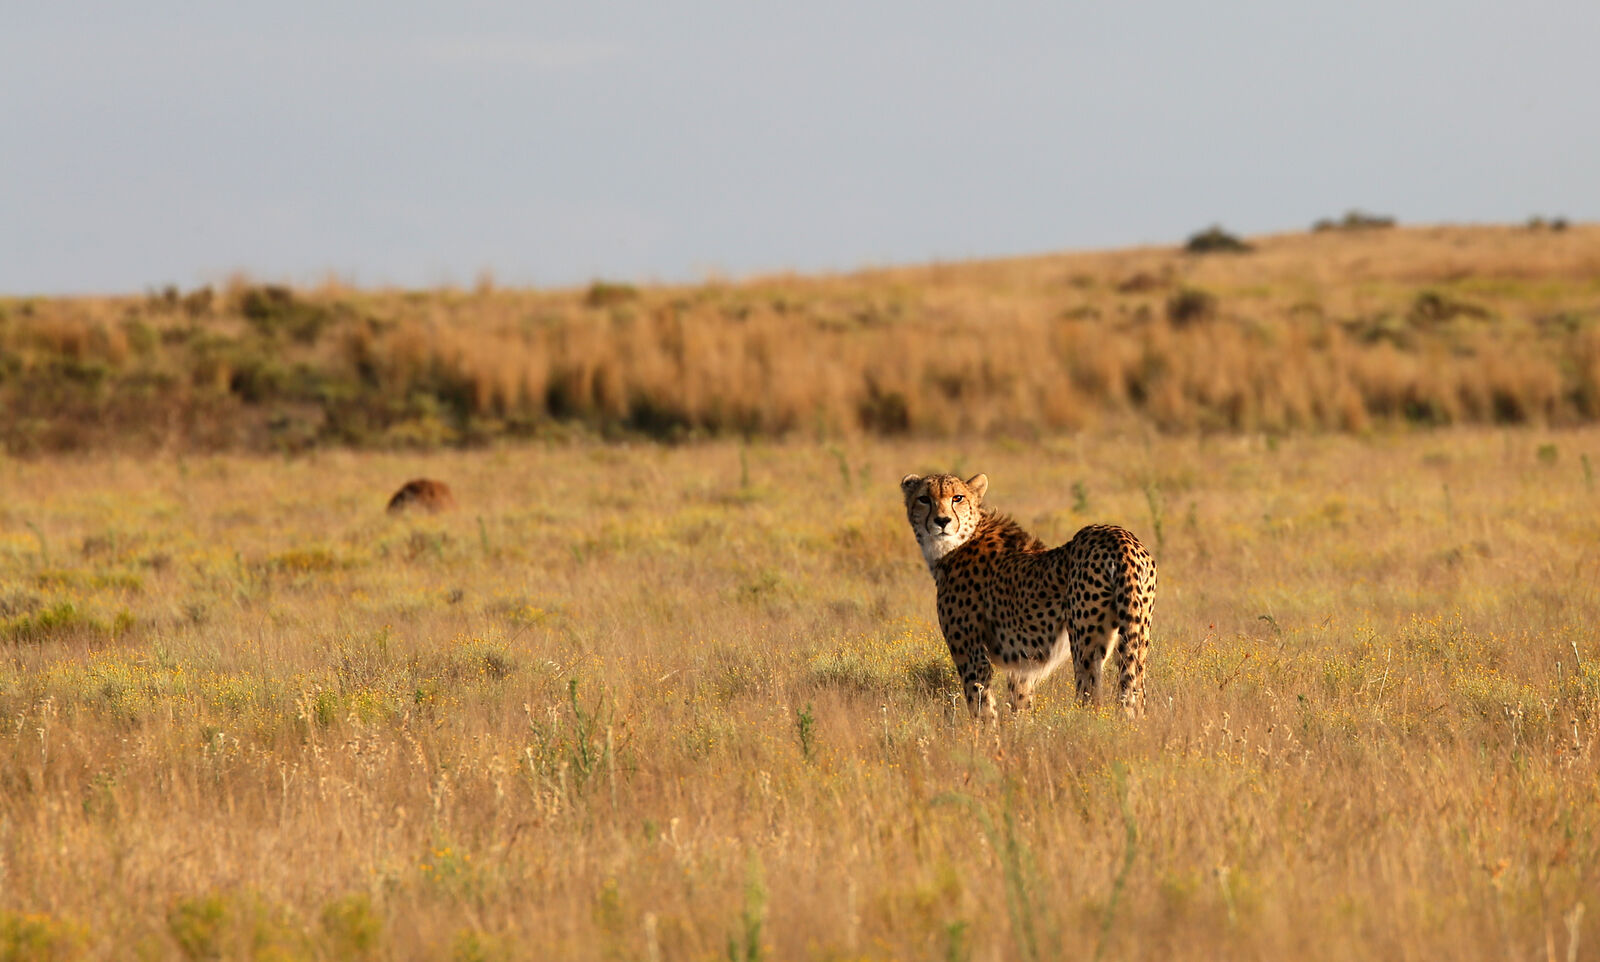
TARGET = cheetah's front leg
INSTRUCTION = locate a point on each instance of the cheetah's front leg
(971, 658)
(977, 674)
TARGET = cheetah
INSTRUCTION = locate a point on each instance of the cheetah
(1003, 597)
(424, 493)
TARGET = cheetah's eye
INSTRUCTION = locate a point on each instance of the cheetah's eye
(923, 500)
(958, 499)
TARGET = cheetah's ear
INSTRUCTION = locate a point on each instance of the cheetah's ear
(910, 481)
(979, 483)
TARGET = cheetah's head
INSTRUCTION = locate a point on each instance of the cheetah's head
(943, 510)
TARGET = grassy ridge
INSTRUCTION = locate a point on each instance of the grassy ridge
(1336, 330)
(688, 702)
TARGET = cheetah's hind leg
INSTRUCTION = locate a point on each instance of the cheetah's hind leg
(1019, 689)
(1133, 647)
(1090, 649)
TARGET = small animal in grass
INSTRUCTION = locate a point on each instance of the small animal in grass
(1006, 599)
(422, 494)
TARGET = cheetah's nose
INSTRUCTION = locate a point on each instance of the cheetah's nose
(942, 522)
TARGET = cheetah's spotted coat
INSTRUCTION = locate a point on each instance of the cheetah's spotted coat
(1003, 597)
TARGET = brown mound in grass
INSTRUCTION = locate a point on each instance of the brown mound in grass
(422, 494)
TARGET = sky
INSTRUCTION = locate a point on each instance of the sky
(425, 144)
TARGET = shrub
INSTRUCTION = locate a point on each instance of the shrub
(169, 300)
(41, 937)
(884, 412)
(1215, 240)
(1431, 307)
(1354, 220)
(1139, 283)
(352, 927)
(1191, 306)
(60, 620)
(1537, 222)
(237, 925)
(198, 926)
(609, 293)
(197, 303)
(271, 309)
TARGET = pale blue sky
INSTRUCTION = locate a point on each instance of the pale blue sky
(419, 144)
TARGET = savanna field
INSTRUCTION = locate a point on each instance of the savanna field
(668, 683)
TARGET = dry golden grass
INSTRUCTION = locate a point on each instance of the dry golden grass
(646, 702)
(1336, 330)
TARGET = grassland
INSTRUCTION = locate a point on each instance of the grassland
(652, 702)
(1335, 330)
